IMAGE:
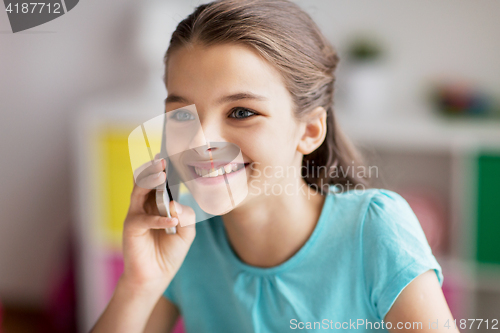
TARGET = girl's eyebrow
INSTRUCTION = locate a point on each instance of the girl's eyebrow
(172, 98)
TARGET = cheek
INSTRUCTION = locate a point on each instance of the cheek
(252, 145)
(269, 144)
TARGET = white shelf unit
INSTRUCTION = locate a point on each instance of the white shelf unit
(92, 278)
(442, 147)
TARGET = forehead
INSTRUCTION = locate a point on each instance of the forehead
(207, 72)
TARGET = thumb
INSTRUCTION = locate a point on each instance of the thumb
(186, 228)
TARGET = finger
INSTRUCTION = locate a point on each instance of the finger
(140, 194)
(152, 181)
(148, 169)
(175, 208)
(187, 219)
(185, 214)
(143, 166)
(150, 206)
(145, 222)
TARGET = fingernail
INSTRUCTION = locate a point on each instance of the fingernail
(178, 207)
(158, 175)
(174, 220)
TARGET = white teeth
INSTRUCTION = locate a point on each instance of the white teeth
(209, 173)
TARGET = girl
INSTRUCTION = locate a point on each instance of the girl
(314, 249)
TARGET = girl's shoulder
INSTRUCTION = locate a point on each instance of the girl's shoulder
(379, 196)
(372, 204)
(371, 216)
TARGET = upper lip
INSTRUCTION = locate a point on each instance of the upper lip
(208, 164)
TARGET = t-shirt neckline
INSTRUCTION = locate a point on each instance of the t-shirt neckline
(292, 261)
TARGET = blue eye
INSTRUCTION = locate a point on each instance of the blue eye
(241, 113)
(182, 115)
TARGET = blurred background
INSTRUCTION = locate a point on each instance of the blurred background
(418, 90)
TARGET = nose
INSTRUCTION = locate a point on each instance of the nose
(205, 151)
(211, 128)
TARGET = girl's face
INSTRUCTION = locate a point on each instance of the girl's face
(241, 99)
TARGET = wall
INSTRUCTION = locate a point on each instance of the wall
(46, 72)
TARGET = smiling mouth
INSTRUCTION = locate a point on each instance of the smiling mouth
(208, 172)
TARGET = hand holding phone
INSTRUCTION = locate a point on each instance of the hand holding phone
(151, 256)
(163, 199)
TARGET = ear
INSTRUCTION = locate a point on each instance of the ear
(315, 131)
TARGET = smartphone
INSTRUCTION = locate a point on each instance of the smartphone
(163, 193)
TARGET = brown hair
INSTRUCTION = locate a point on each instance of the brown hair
(288, 38)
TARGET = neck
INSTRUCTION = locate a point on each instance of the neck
(270, 229)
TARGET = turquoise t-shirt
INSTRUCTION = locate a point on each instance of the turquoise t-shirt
(366, 247)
